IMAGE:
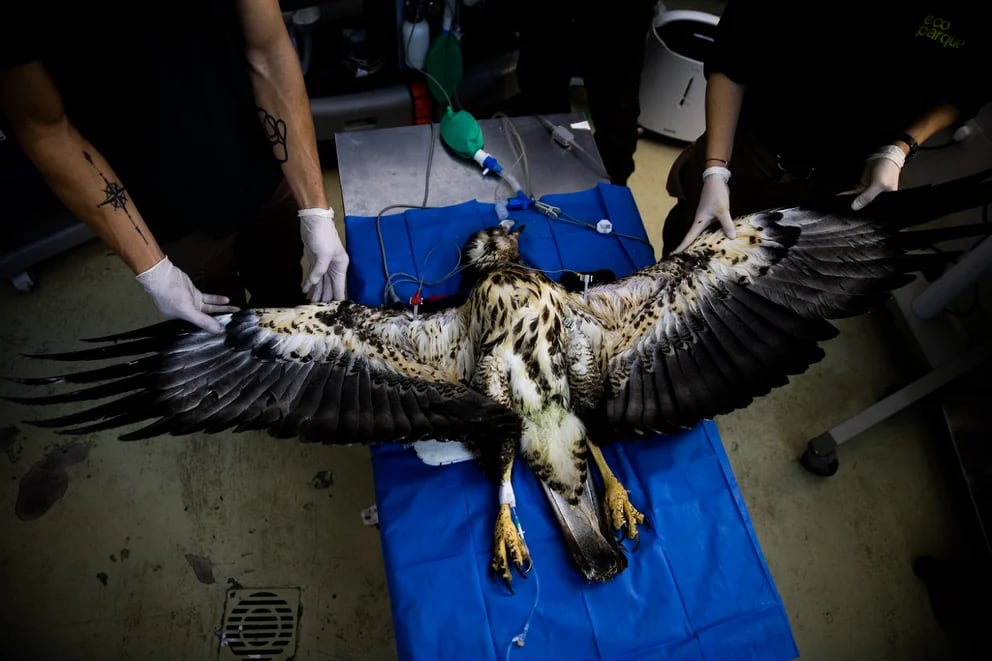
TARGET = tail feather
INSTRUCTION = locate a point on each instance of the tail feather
(595, 551)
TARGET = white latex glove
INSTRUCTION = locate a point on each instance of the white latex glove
(881, 174)
(714, 203)
(176, 297)
(323, 255)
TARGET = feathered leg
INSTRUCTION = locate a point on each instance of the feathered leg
(621, 514)
(509, 535)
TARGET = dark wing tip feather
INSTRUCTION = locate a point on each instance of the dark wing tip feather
(88, 376)
(169, 328)
(918, 239)
(140, 346)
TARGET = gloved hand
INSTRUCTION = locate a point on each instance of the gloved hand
(881, 174)
(323, 255)
(714, 202)
(176, 297)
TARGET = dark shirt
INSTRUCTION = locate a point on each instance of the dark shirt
(164, 93)
(832, 81)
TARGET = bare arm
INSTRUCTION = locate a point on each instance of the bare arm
(73, 168)
(281, 96)
(285, 112)
(723, 108)
(938, 118)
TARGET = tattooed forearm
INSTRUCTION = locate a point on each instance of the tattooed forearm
(275, 133)
(116, 196)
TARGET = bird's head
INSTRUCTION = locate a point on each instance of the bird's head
(491, 248)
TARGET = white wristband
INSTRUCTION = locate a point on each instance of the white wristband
(717, 170)
(891, 153)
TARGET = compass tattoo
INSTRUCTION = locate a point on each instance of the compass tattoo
(116, 196)
(275, 133)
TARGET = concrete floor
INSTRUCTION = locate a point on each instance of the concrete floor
(104, 575)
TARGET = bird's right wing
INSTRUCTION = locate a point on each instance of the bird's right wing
(337, 372)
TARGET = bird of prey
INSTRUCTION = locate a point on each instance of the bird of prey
(525, 368)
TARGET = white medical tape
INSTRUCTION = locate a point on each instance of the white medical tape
(506, 496)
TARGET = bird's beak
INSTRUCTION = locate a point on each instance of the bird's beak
(517, 229)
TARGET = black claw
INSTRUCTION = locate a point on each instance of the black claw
(495, 571)
(522, 570)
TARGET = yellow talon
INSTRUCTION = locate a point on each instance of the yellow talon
(509, 546)
(621, 514)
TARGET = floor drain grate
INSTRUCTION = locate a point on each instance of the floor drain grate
(260, 624)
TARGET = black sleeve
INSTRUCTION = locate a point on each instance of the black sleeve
(731, 53)
(955, 59)
(19, 42)
(971, 84)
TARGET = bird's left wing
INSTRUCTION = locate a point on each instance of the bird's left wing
(337, 372)
(705, 331)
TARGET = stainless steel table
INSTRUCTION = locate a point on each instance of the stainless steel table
(389, 166)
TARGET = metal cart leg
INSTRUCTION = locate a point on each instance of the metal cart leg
(820, 456)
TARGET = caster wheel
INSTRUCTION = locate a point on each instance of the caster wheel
(23, 281)
(820, 464)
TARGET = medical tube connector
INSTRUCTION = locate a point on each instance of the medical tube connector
(487, 162)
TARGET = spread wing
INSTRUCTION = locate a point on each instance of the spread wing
(705, 331)
(335, 373)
